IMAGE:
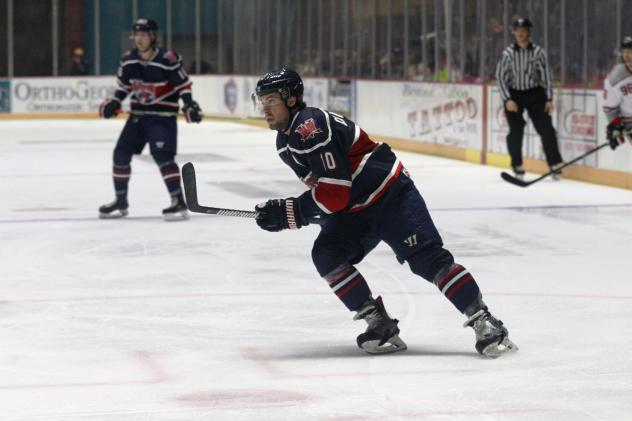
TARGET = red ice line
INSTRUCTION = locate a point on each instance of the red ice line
(158, 375)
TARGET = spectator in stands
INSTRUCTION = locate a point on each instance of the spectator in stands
(79, 65)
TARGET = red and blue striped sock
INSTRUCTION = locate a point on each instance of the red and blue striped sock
(458, 286)
(121, 175)
(350, 286)
(171, 176)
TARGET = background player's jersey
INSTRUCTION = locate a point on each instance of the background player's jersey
(618, 94)
(344, 168)
(155, 85)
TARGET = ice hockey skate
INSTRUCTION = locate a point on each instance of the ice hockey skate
(382, 334)
(116, 209)
(177, 211)
(518, 172)
(491, 336)
(557, 175)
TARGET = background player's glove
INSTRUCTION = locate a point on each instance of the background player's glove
(109, 108)
(279, 214)
(614, 132)
(192, 112)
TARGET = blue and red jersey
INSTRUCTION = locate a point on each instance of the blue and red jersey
(155, 85)
(345, 170)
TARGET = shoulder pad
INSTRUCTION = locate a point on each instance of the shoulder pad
(171, 56)
(617, 74)
(127, 55)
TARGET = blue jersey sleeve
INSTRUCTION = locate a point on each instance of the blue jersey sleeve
(122, 77)
(177, 75)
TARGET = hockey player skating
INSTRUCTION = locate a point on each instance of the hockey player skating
(364, 195)
(155, 78)
(618, 96)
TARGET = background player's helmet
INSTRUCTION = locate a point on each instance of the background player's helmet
(522, 23)
(286, 82)
(146, 25)
(626, 42)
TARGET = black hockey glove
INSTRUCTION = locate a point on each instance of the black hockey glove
(279, 214)
(109, 108)
(614, 133)
(192, 112)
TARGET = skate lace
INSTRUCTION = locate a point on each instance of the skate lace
(374, 319)
(371, 315)
(482, 316)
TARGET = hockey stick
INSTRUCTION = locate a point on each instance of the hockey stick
(190, 191)
(518, 182)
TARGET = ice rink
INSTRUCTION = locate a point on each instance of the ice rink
(215, 319)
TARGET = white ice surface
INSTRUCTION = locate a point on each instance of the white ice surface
(215, 319)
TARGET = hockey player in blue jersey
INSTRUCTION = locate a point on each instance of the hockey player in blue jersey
(155, 79)
(363, 195)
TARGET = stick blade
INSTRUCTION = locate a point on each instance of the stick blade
(513, 180)
(190, 187)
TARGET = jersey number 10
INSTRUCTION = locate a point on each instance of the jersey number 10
(328, 160)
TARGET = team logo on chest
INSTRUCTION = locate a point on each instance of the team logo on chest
(145, 92)
(308, 130)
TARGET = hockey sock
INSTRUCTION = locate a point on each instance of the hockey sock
(458, 286)
(349, 285)
(121, 175)
(171, 176)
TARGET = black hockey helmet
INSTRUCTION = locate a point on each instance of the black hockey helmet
(522, 23)
(286, 82)
(146, 25)
(626, 42)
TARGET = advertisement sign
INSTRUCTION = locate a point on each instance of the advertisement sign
(60, 95)
(5, 96)
(447, 114)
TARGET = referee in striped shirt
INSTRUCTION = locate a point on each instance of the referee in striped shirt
(524, 82)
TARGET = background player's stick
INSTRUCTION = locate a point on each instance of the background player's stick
(204, 116)
(190, 191)
(518, 182)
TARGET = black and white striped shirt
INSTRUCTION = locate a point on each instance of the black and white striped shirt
(522, 69)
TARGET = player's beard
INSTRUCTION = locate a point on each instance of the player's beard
(281, 124)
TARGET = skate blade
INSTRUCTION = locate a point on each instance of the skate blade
(394, 344)
(113, 215)
(175, 217)
(495, 350)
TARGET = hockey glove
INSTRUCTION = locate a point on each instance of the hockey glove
(614, 133)
(109, 108)
(279, 214)
(192, 112)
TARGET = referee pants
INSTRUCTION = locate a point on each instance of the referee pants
(533, 101)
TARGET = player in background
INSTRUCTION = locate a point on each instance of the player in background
(155, 79)
(364, 195)
(524, 82)
(618, 96)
